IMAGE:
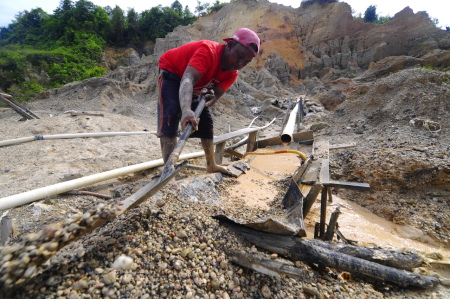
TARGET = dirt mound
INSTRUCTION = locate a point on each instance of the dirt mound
(400, 126)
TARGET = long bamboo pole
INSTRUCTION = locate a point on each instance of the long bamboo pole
(286, 135)
(69, 136)
(37, 194)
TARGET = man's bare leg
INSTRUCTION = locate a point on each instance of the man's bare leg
(211, 166)
(167, 146)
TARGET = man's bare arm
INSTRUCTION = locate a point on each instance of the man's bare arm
(190, 77)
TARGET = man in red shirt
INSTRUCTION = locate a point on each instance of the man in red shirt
(184, 72)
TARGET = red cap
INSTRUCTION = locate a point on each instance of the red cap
(245, 37)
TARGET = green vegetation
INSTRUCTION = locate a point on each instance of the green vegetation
(371, 16)
(40, 50)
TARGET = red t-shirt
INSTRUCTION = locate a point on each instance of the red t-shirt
(205, 56)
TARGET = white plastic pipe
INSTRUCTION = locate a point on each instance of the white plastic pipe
(37, 194)
(68, 136)
(286, 135)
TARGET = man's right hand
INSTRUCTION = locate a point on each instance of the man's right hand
(188, 116)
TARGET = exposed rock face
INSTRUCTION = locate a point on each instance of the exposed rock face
(318, 41)
(113, 57)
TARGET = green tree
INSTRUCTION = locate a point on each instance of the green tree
(158, 21)
(68, 44)
(188, 16)
(27, 27)
(202, 8)
(177, 7)
(118, 26)
(132, 28)
(370, 15)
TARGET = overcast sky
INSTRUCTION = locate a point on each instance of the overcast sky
(439, 9)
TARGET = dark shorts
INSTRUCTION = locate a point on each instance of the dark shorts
(169, 110)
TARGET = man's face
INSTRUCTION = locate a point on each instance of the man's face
(237, 57)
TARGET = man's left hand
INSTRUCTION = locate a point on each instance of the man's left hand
(211, 100)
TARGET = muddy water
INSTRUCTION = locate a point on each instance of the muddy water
(359, 224)
(355, 222)
(256, 186)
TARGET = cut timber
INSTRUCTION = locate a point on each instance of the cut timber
(218, 153)
(251, 145)
(300, 173)
(76, 113)
(341, 146)
(264, 264)
(323, 210)
(196, 167)
(238, 168)
(26, 114)
(234, 153)
(228, 136)
(312, 173)
(81, 192)
(391, 258)
(349, 185)
(311, 198)
(321, 148)
(298, 250)
(293, 203)
(324, 175)
(332, 225)
(6, 229)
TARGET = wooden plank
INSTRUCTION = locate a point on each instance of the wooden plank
(6, 229)
(301, 171)
(321, 148)
(324, 174)
(312, 173)
(251, 145)
(25, 113)
(340, 146)
(234, 153)
(323, 210)
(218, 154)
(196, 167)
(228, 136)
(332, 225)
(349, 185)
(311, 198)
(76, 113)
(10, 98)
(310, 252)
(293, 203)
(268, 142)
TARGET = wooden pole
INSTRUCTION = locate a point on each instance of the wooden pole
(332, 225)
(323, 210)
(311, 198)
(298, 250)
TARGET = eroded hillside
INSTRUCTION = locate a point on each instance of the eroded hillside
(376, 94)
